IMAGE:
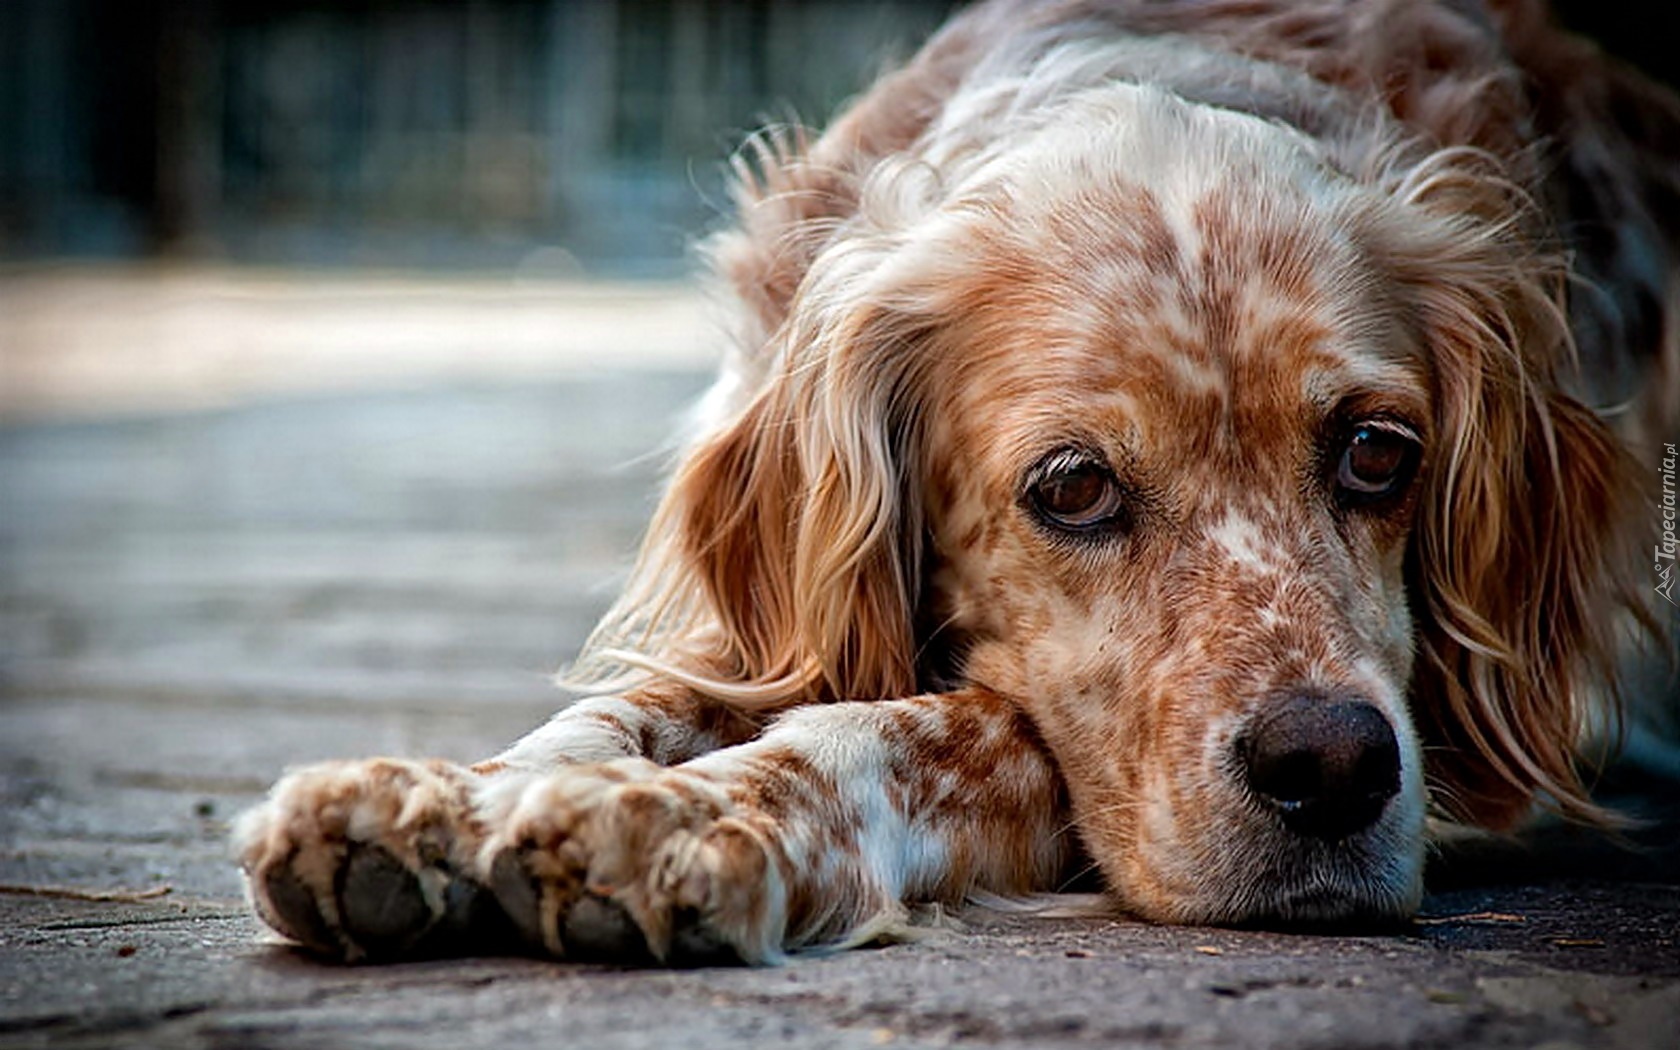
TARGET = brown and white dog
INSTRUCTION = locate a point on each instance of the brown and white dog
(1156, 441)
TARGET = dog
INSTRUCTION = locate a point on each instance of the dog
(1197, 442)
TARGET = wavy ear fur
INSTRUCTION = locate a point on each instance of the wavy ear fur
(800, 526)
(784, 563)
(1519, 563)
(1517, 559)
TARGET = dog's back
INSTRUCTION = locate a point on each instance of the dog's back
(1597, 142)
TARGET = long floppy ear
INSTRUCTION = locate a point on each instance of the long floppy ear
(795, 526)
(1517, 559)
(1519, 564)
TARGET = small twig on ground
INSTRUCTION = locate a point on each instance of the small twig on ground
(71, 893)
(1481, 917)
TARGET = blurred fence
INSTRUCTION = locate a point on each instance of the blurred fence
(551, 135)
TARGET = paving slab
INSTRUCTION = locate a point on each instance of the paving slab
(196, 973)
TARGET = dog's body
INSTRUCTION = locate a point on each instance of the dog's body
(1153, 444)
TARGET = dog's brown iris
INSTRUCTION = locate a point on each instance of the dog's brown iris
(1377, 461)
(1076, 494)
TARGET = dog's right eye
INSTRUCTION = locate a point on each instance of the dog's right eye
(1377, 461)
(1075, 492)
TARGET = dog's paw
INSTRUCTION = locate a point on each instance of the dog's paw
(631, 862)
(370, 859)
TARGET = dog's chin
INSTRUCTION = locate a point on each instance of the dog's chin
(1324, 904)
(1368, 882)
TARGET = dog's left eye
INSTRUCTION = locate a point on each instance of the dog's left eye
(1377, 460)
(1074, 492)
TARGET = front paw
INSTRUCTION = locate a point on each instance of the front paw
(633, 862)
(369, 859)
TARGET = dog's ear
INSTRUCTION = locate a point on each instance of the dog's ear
(798, 523)
(1519, 566)
(1516, 561)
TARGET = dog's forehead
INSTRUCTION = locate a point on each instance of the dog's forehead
(1174, 319)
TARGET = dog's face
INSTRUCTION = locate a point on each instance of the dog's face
(1249, 480)
(1174, 471)
(1171, 489)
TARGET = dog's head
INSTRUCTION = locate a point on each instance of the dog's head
(1249, 479)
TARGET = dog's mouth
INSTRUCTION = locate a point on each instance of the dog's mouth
(1356, 888)
(1346, 888)
(1252, 871)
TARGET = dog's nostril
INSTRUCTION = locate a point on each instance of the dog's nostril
(1327, 766)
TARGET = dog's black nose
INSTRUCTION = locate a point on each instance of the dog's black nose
(1328, 766)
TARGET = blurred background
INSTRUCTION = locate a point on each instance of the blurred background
(339, 342)
(562, 135)
(200, 199)
(544, 136)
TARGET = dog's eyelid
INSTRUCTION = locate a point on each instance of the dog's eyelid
(1377, 413)
(1062, 459)
(1070, 457)
(1390, 425)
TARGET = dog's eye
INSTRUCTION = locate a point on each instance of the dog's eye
(1075, 492)
(1377, 461)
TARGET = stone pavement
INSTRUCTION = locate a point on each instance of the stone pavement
(191, 601)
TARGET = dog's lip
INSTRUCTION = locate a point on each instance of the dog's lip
(1325, 905)
(1358, 883)
(1343, 883)
(1318, 906)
